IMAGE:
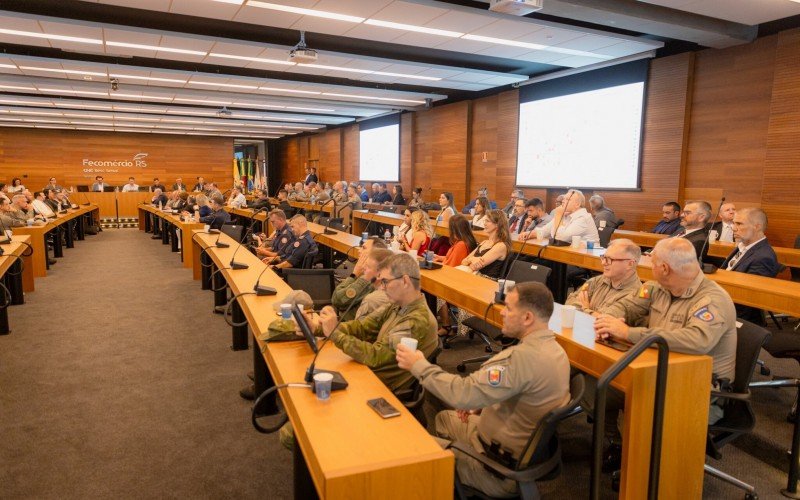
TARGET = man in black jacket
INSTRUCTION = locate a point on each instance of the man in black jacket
(694, 225)
(218, 215)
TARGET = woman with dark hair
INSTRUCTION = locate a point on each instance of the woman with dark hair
(398, 199)
(481, 209)
(448, 207)
(416, 198)
(462, 241)
(15, 186)
(489, 257)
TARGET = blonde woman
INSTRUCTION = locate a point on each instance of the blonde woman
(404, 232)
(421, 233)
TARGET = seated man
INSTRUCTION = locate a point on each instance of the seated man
(694, 226)
(519, 217)
(724, 226)
(130, 186)
(515, 195)
(691, 312)
(200, 186)
(603, 216)
(380, 194)
(23, 212)
(559, 203)
(278, 241)
(261, 200)
(670, 219)
(294, 193)
(41, 207)
(753, 255)
(218, 215)
(619, 278)
(99, 185)
(351, 291)
(7, 219)
(471, 205)
(159, 199)
(537, 217)
(571, 219)
(237, 199)
(500, 404)
(52, 200)
(294, 254)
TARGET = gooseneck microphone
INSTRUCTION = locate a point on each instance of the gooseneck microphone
(709, 268)
(310, 371)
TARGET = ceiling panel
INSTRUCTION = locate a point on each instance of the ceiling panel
(750, 12)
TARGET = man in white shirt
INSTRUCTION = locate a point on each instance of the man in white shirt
(131, 186)
(237, 199)
(41, 207)
(724, 227)
(571, 219)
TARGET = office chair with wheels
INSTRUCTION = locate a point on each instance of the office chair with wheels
(521, 272)
(318, 283)
(541, 457)
(739, 418)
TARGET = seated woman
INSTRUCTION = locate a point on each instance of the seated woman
(416, 198)
(463, 243)
(489, 257)
(398, 198)
(421, 234)
(481, 208)
(404, 232)
(441, 244)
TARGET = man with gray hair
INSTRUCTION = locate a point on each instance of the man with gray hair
(694, 224)
(515, 195)
(483, 191)
(603, 216)
(22, 212)
(619, 278)
(571, 219)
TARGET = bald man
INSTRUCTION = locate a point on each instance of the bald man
(724, 226)
(619, 278)
(571, 219)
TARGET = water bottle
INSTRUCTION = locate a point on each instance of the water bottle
(387, 237)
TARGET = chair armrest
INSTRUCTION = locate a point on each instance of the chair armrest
(480, 457)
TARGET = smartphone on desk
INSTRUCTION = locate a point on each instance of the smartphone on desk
(383, 408)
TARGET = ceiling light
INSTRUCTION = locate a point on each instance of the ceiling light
(401, 75)
(293, 91)
(231, 85)
(368, 72)
(51, 37)
(299, 108)
(26, 112)
(89, 106)
(272, 106)
(21, 103)
(15, 87)
(99, 124)
(391, 99)
(253, 59)
(77, 115)
(65, 91)
(411, 27)
(58, 70)
(135, 96)
(8, 66)
(148, 78)
(156, 48)
(268, 117)
(534, 46)
(203, 101)
(305, 12)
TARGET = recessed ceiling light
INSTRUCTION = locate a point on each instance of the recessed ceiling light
(411, 27)
(300, 108)
(147, 78)
(16, 87)
(60, 70)
(534, 46)
(202, 101)
(252, 59)
(48, 36)
(368, 72)
(8, 66)
(390, 99)
(156, 48)
(230, 85)
(136, 96)
(21, 103)
(305, 12)
(291, 91)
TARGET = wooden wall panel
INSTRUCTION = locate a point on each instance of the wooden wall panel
(350, 158)
(407, 155)
(35, 155)
(330, 155)
(781, 179)
(290, 168)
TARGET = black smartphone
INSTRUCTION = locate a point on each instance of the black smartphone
(383, 408)
(615, 344)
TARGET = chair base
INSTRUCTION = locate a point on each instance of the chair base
(750, 491)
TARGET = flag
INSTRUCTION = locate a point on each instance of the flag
(235, 171)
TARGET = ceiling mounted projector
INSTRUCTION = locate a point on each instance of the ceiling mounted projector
(516, 7)
(301, 54)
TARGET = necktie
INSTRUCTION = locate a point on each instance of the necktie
(735, 259)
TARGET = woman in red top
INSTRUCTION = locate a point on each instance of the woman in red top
(421, 233)
(463, 244)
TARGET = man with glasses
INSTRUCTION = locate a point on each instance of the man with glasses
(518, 217)
(694, 221)
(372, 340)
(619, 278)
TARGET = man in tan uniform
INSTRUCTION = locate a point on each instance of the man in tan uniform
(499, 405)
(691, 312)
(619, 278)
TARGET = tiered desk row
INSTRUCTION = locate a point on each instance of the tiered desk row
(25, 256)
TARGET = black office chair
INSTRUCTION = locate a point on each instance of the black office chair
(319, 283)
(619, 224)
(311, 257)
(739, 417)
(413, 398)
(521, 272)
(235, 231)
(605, 235)
(541, 457)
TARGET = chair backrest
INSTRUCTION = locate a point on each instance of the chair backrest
(750, 338)
(524, 272)
(605, 235)
(620, 222)
(233, 230)
(318, 283)
(310, 258)
(538, 447)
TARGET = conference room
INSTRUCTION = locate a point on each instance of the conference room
(302, 248)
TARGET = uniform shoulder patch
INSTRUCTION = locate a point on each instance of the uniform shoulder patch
(296, 244)
(645, 292)
(350, 293)
(284, 240)
(704, 314)
(495, 375)
(585, 286)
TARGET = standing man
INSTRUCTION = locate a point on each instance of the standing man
(99, 186)
(311, 176)
(498, 405)
(670, 219)
(619, 278)
(694, 224)
(724, 226)
(131, 186)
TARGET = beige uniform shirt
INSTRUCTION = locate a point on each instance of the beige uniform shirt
(601, 292)
(515, 388)
(701, 321)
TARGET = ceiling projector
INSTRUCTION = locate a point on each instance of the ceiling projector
(301, 54)
(515, 7)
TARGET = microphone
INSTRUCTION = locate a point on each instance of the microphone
(500, 295)
(240, 265)
(304, 326)
(86, 197)
(217, 243)
(327, 229)
(369, 223)
(709, 268)
(263, 290)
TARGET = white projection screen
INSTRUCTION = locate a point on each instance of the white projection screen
(379, 149)
(583, 131)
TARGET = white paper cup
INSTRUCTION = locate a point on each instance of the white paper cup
(567, 316)
(286, 311)
(576, 242)
(712, 236)
(410, 342)
(207, 228)
(539, 233)
(322, 385)
(508, 285)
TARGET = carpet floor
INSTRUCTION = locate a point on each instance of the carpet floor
(117, 381)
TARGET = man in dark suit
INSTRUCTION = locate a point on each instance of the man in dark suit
(517, 222)
(179, 185)
(311, 177)
(218, 215)
(670, 219)
(694, 225)
(753, 255)
(724, 226)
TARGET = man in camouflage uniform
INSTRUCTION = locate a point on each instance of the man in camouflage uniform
(498, 406)
(350, 293)
(619, 278)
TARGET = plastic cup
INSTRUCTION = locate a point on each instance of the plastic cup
(539, 233)
(576, 242)
(590, 245)
(508, 285)
(410, 342)
(207, 228)
(567, 316)
(322, 385)
(712, 236)
(286, 311)
(364, 236)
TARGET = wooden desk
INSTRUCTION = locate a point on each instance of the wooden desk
(362, 219)
(37, 234)
(186, 247)
(108, 202)
(685, 422)
(16, 272)
(349, 450)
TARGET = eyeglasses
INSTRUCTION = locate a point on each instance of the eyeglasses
(609, 260)
(383, 281)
